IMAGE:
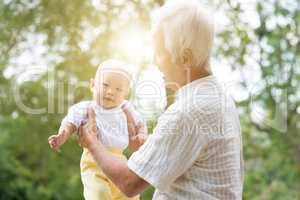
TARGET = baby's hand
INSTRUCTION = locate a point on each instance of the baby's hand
(142, 133)
(55, 141)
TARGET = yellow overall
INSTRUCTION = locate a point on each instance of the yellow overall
(96, 185)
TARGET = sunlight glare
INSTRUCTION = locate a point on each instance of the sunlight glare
(134, 45)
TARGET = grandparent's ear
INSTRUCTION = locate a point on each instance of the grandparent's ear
(186, 59)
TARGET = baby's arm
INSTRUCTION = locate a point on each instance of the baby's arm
(137, 133)
(64, 132)
(141, 135)
(75, 116)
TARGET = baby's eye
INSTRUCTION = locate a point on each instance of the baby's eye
(105, 84)
(119, 89)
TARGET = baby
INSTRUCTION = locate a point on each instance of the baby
(110, 87)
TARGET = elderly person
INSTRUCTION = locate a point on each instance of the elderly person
(195, 151)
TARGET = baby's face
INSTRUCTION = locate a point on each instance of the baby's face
(110, 88)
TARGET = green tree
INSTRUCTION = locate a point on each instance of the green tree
(28, 166)
(271, 133)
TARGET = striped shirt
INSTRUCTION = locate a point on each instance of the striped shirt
(195, 151)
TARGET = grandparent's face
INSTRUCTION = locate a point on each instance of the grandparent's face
(172, 72)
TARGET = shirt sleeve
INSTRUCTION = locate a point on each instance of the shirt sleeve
(77, 113)
(168, 152)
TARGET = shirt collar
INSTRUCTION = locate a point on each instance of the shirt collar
(189, 88)
(101, 109)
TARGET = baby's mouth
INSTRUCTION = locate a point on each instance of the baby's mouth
(108, 99)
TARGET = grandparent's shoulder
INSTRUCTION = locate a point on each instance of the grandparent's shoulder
(198, 103)
(199, 109)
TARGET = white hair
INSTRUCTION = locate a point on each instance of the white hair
(118, 66)
(185, 25)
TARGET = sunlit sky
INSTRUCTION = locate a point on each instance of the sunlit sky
(134, 42)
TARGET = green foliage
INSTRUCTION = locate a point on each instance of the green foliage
(270, 144)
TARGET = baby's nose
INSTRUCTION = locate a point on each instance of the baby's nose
(109, 91)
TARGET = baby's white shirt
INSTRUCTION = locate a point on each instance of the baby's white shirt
(111, 123)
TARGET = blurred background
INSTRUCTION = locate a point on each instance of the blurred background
(49, 49)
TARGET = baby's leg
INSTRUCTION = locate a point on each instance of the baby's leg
(95, 183)
(95, 186)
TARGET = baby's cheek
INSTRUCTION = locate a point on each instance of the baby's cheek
(119, 100)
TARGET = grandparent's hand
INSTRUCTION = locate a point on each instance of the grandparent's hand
(87, 133)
